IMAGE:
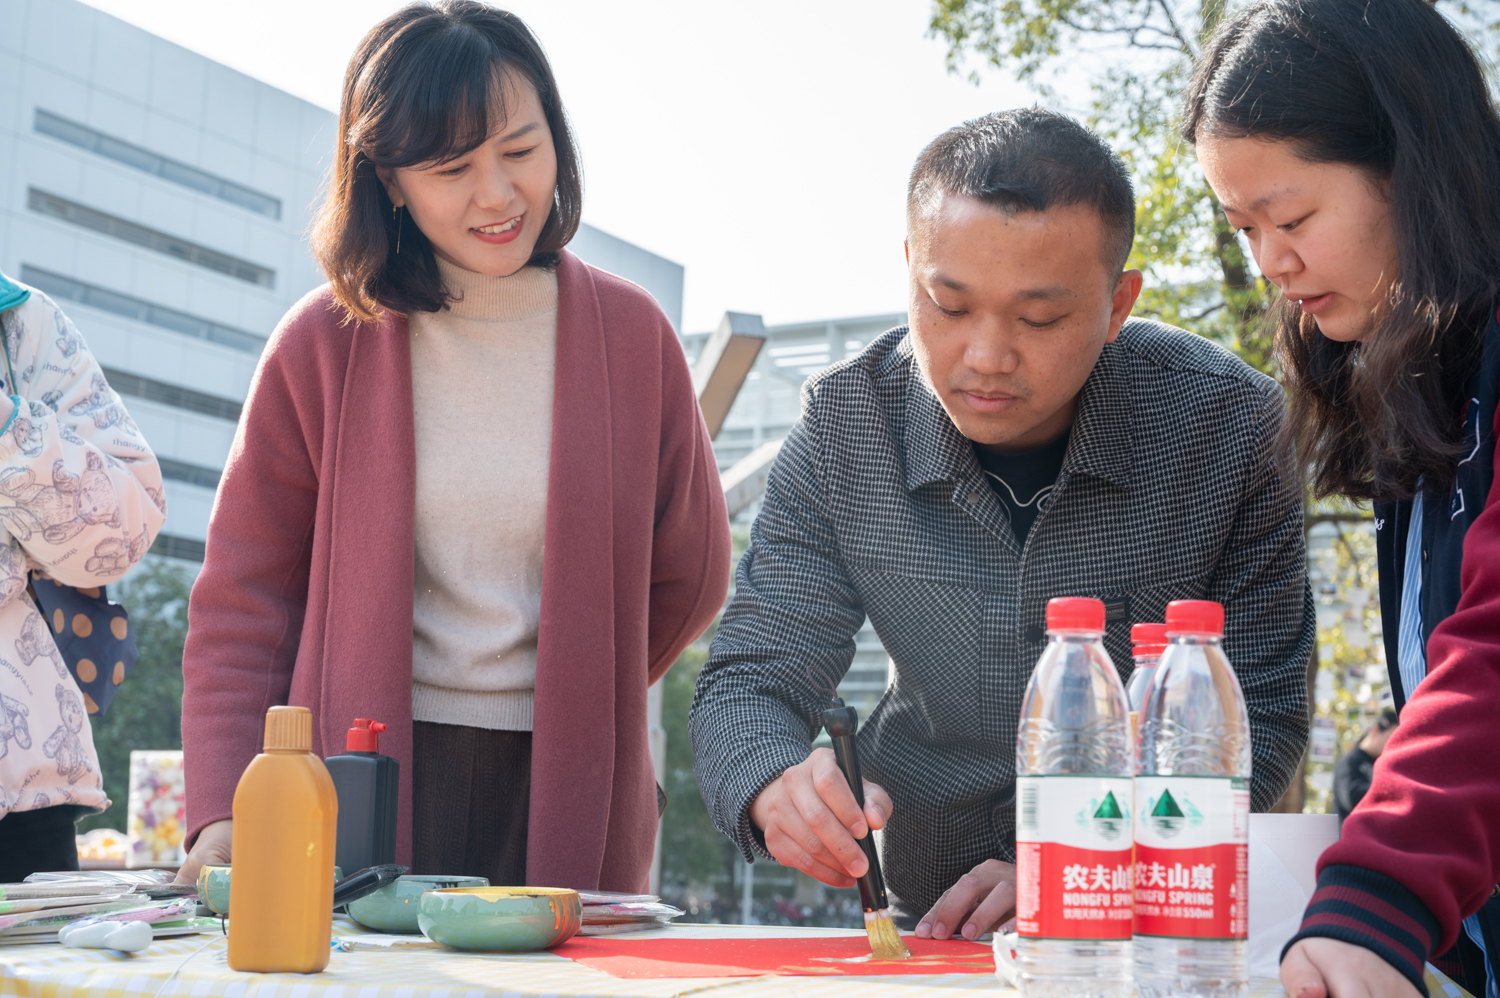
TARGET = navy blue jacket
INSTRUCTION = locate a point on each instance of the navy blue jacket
(1423, 847)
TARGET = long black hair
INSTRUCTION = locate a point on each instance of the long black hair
(425, 86)
(1389, 87)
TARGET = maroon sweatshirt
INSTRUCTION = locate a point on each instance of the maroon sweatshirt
(1422, 850)
(305, 596)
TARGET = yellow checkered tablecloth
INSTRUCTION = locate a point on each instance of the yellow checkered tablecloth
(195, 967)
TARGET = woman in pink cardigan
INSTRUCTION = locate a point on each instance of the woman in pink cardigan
(471, 495)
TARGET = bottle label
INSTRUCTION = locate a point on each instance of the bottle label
(1073, 875)
(1192, 837)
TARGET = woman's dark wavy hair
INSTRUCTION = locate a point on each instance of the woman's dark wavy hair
(428, 84)
(1387, 86)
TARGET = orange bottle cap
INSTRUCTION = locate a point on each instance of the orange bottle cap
(289, 729)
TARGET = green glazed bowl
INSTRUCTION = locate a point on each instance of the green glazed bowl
(500, 919)
(213, 887)
(394, 908)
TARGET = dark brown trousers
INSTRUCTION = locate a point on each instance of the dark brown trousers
(471, 790)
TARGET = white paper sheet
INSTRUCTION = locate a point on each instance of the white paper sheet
(1284, 851)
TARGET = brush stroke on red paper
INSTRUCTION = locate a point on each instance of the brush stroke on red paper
(814, 956)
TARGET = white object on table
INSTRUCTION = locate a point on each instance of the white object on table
(1284, 851)
(1004, 945)
(99, 933)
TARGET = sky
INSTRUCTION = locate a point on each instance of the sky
(765, 147)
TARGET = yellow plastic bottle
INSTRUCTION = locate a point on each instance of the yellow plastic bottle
(285, 820)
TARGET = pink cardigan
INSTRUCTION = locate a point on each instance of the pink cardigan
(306, 591)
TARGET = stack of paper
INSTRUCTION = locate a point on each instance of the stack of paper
(606, 913)
(33, 911)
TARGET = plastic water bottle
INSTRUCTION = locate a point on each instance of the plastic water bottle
(1073, 803)
(1147, 641)
(1192, 816)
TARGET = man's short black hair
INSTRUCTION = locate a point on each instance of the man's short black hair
(1029, 159)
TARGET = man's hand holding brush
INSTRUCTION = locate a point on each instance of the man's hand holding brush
(811, 820)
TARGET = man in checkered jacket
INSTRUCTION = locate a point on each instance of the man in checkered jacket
(1022, 439)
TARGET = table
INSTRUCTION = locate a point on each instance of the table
(195, 967)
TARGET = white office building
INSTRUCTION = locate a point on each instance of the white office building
(162, 199)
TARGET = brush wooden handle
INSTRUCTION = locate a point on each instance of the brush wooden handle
(841, 723)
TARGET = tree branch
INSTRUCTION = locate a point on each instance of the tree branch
(1187, 47)
(1206, 312)
(1355, 560)
(1151, 46)
(1155, 30)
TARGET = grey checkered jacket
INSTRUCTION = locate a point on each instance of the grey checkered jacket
(877, 506)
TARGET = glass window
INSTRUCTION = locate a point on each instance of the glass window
(188, 177)
(254, 200)
(108, 146)
(127, 154)
(67, 288)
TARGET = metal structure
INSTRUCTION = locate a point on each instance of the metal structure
(722, 364)
(763, 413)
(745, 481)
(767, 367)
(718, 373)
(770, 400)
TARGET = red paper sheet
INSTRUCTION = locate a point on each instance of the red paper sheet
(811, 956)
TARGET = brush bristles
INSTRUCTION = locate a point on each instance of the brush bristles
(885, 941)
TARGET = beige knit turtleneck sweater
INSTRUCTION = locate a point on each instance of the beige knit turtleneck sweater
(482, 386)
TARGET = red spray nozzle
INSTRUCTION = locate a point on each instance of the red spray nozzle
(364, 736)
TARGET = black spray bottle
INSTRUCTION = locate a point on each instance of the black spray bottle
(367, 784)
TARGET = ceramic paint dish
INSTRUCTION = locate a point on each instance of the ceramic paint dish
(500, 919)
(394, 908)
(213, 887)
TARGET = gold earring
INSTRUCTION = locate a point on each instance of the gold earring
(400, 221)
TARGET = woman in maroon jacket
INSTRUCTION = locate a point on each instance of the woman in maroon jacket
(1356, 147)
(471, 495)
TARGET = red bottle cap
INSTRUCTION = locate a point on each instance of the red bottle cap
(364, 736)
(1149, 639)
(1195, 616)
(1075, 613)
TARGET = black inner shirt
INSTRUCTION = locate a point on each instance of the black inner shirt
(1023, 479)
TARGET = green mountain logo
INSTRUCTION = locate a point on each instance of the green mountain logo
(1108, 819)
(1166, 817)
